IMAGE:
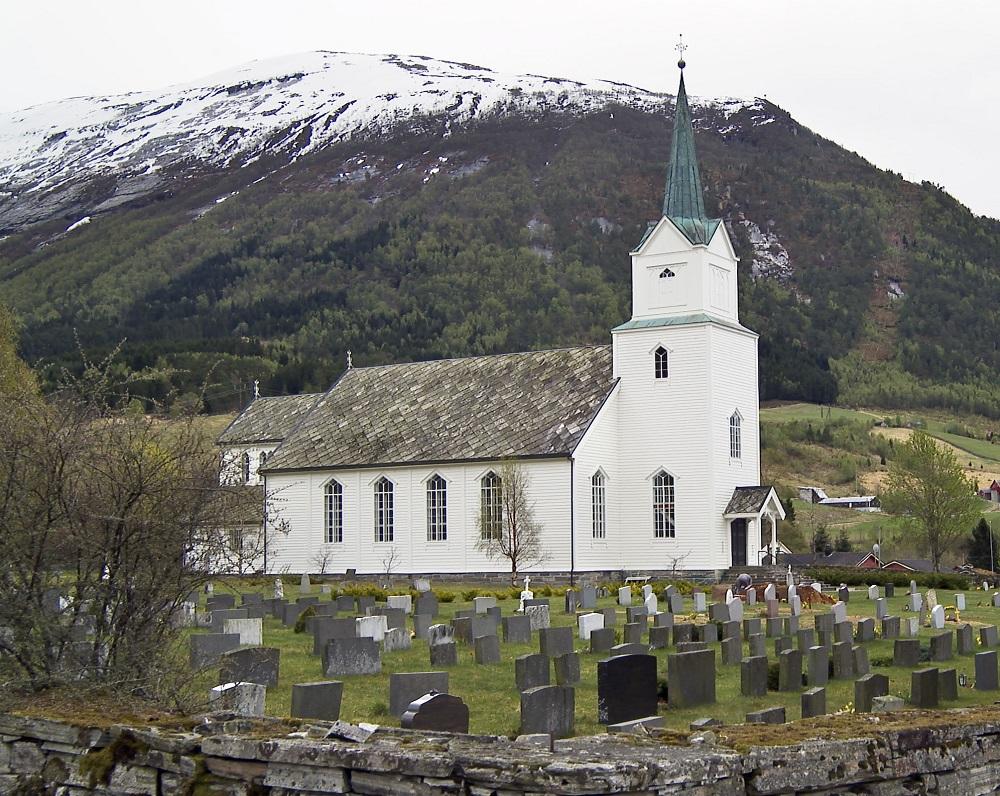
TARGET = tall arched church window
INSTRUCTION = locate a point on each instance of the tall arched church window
(598, 505)
(437, 509)
(333, 512)
(663, 506)
(735, 436)
(384, 496)
(245, 468)
(660, 363)
(490, 506)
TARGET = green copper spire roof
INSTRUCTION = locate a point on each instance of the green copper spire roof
(683, 203)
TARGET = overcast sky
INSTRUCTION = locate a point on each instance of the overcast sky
(913, 86)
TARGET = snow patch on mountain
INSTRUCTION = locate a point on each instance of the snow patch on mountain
(770, 257)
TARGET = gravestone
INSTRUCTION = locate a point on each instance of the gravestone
(684, 646)
(626, 688)
(484, 625)
(462, 626)
(588, 597)
(531, 671)
(629, 649)
(538, 616)
(790, 670)
(421, 585)
(632, 633)
(567, 668)
(625, 595)
(964, 640)
(890, 627)
(444, 653)
(796, 605)
(751, 626)
(602, 640)
(924, 688)
(865, 631)
(731, 651)
(937, 617)
(220, 616)
(691, 678)
(731, 630)
(405, 687)
(825, 638)
(610, 616)
(395, 639)
(436, 712)
(426, 603)
(421, 625)
(207, 648)
(717, 612)
(906, 652)
(344, 656)
(548, 709)
(319, 700)
(773, 627)
(757, 645)
(364, 602)
(861, 663)
(709, 633)
(250, 665)
(947, 685)
(677, 603)
(844, 594)
(941, 646)
(635, 613)
(482, 604)
(553, 641)
(700, 602)
(372, 627)
(791, 626)
(766, 716)
(326, 628)
(770, 593)
(792, 592)
(220, 602)
(911, 627)
(683, 632)
(890, 590)
(873, 592)
(290, 613)
(440, 634)
(651, 604)
(866, 689)
(818, 665)
(345, 602)
(659, 637)
(887, 704)
(782, 643)
(881, 608)
(304, 584)
(986, 671)
(805, 639)
(843, 631)
(243, 699)
(753, 676)
(839, 612)
(843, 661)
(516, 629)
(913, 587)
(663, 619)
(988, 636)
(813, 703)
(960, 602)
(587, 623)
(401, 602)
(487, 650)
(751, 595)
(824, 622)
(915, 601)
(736, 609)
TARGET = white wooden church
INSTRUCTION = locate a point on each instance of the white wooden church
(641, 456)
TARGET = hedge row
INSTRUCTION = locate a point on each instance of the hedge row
(880, 577)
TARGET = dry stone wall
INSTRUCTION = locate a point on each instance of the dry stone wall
(234, 757)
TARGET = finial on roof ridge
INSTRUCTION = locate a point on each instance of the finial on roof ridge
(681, 47)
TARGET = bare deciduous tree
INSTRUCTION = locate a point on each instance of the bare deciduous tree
(510, 532)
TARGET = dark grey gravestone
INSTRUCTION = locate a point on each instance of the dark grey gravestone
(307, 601)
(691, 678)
(791, 625)
(691, 646)
(781, 644)
(325, 609)
(813, 703)
(444, 654)
(326, 628)
(718, 612)
(861, 662)
(843, 594)
(256, 611)
(825, 638)
(866, 689)
(404, 687)
(553, 641)
(843, 660)
(317, 700)
(588, 597)
(965, 641)
(708, 632)
(824, 622)
(531, 671)
(941, 647)
(278, 608)
(537, 601)
(207, 648)
(890, 627)
(436, 712)
(516, 629)
(610, 616)
(676, 603)
(250, 665)
(495, 612)
(890, 590)
(465, 613)
(924, 688)
(659, 637)
(487, 650)
(602, 639)
(290, 613)
(352, 656)
(463, 629)
(818, 665)
(548, 709)
(635, 613)
(683, 632)
(805, 639)
(986, 671)
(567, 668)
(571, 601)
(426, 603)
(771, 608)
(790, 670)
(364, 603)
(629, 649)
(753, 676)
(843, 633)
(220, 616)
(626, 688)
(421, 624)
(773, 627)
(947, 685)
(483, 625)
(751, 626)
(394, 617)
(345, 602)
(906, 652)
(731, 630)
(221, 602)
(757, 645)
(663, 619)
(865, 631)
(767, 716)
(632, 633)
(988, 636)
(732, 651)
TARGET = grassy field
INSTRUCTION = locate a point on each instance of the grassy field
(786, 413)
(493, 700)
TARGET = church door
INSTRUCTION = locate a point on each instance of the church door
(738, 541)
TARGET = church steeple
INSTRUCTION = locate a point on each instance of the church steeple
(683, 202)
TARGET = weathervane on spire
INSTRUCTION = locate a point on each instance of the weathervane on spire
(350, 361)
(681, 47)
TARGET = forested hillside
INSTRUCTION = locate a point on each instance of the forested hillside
(511, 233)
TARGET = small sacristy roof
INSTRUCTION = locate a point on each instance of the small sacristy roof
(748, 499)
(532, 404)
(268, 419)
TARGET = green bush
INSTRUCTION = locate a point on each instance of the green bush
(445, 596)
(365, 590)
(300, 623)
(468, 595)
(880, 577)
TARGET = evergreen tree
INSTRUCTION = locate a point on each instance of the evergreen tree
(982, 545)
(843, 543)
(821, 540)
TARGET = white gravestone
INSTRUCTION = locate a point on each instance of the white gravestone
(700, 602)
(651, 604)
(881, 608)
(911, 626)
(792, 592)
(770, 593)
(789, 578)
(403, 602)
(538, 616)
(913, 587)
(915, 602)
(817, 587)
(932, 599)
(483, 604)
(526, 593)
(646, 591)
(729, 595)
(735, 609)
(625, 596)
(587, 623)
(873, 592)
(960, 602)
(796, 604)
(249, 630)
(305, 586)
(279, 589)
(243, 699)
(937, 617)
(422, 585)
(372, 627)
(996, 599)
(751, 596)
(839, 612)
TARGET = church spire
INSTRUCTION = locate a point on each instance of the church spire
(683, 202)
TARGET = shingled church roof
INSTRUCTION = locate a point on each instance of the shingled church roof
(531, 404)
(268, 419)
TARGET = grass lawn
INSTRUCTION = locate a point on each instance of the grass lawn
(493, 701)
(786, 413)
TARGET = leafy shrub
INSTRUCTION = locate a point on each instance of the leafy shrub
(880, 577)
(468, 595)
(366, 590)
(300, 623)
(543, 591)
(445, 596)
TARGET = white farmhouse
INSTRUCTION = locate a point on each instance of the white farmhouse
(642, 455)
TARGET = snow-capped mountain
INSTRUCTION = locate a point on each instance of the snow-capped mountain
(51, 153)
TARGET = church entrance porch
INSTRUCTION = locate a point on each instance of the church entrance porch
(738, 541)
(753, 513)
